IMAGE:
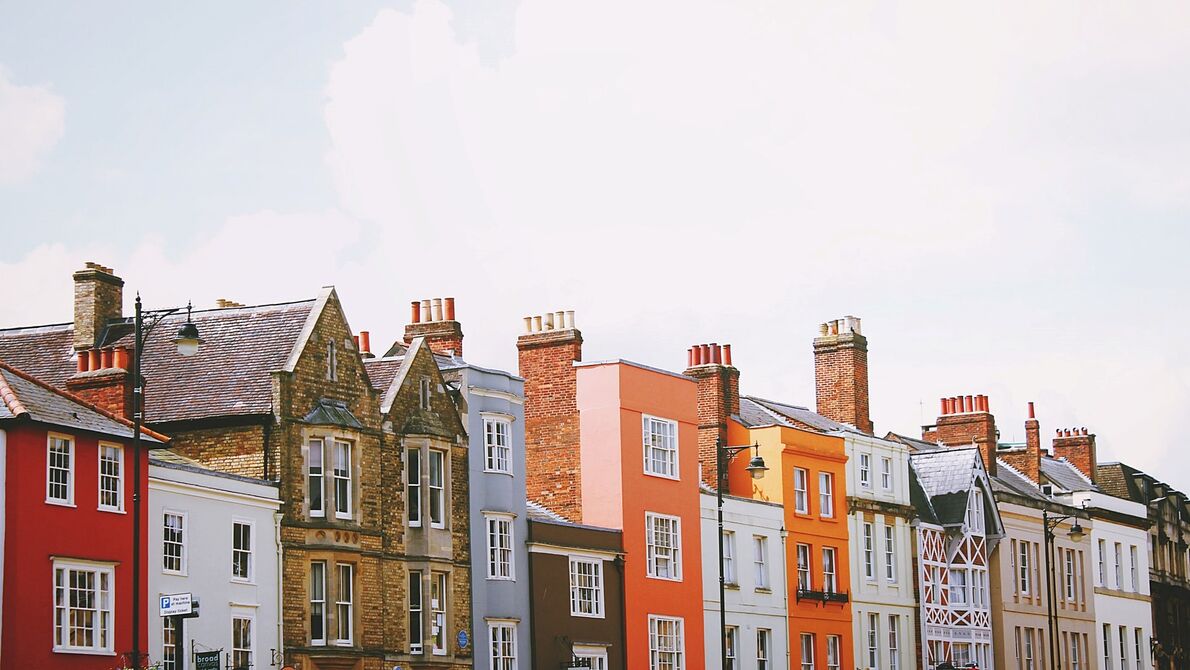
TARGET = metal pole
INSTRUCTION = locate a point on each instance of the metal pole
(722, 604)
(136, 478)
(1050, 610)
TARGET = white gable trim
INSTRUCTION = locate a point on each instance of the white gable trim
(308, 330)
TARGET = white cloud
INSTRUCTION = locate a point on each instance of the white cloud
(32, 120)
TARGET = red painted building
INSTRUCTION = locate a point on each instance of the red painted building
(66, 534)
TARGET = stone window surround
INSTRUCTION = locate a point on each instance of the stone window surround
(424, 445)
(329, 435)
(332, 559)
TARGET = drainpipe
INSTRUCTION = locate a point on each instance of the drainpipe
(277, 516)
(785, 579)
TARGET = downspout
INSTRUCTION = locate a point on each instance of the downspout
(785, 579)
(266, 430)
(277, 516)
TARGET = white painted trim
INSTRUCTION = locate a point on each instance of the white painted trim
(308, 329)
(96, 566)
(559, 550)
(119, 508)
(199, 491)
(185, 541)
(677, 476)
(69, 501)
(390, 394)
(492, 393)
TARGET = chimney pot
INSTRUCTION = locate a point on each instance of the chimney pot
(706, 353)
(121, 358)
(943, 411)
(82, 361)
(93, 359)
(570, 319)
(528, 324)
(690, 358)
(697, 354)
(560, 319)
(1032, 414)
(415, 311)
(537, 326)
(834, 326)
(715, 354)
(823, 330)
(549, 320)
(426, 314)
(365, 340)
(355, 338)
(450, 309)
(727, 355)
(436, 306)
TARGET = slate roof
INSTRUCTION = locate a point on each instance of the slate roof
(24, 397)
(331, 412)
(918, 498)
(1010, 480)
(914, 443)
(945, 477)
(382, 371)
(1064, 475)
(803, 416)
(1119, 480)
(538, 512)
(753, 414)
(229, 376)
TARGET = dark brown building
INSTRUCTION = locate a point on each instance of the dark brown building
(577, 586)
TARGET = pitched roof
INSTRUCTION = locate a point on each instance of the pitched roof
(918, 498)
(753, 415)
(1062, 473)
(538, 512)
(946, 477)
(24, 397)
(1010, 480)
(229, 376)
(913, 443)
(1118, 479)
(803, 417)
(382, 371)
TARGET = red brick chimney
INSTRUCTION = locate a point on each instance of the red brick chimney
(841, 373)
(546, 354)
(718, 398)
(98, 299)
(435, 320)
(104, 379)
(966, 421)
(1028, 459)
(1077, 446)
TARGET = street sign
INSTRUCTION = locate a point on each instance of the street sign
(177, 604)
(206, 660)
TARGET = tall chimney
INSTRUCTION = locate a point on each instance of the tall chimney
(546, 358)
(107, 381)
(718, 398)
(1028, 461)
(841, 373)
(442, 332)
(1078, 447)
(98, 299)
(966, 428)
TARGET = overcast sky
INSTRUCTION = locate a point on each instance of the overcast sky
(1001, 193)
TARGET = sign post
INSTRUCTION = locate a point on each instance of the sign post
(179, 607)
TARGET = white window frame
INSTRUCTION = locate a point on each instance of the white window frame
(344, 604)
(169, 643)
(760, 561)
(833, 652)
(830, 578)
(344, 509)
(869, 551)
(1119, 555)
(72, 454)
(497, 439)
(826, 495)
(243, 615)
(677, 648)
(1024, 573)
(597, 655)
(801, 496)
(1137, 636)
(865, 470)
(103, 636)
(764, 648)
(315, 586)
(890, 554)
(438, 506)
(652, 519)
(873, 641)
(805, 580)
(1132, 555)
(894, 642)
(316, 481)
(417, 609)
(731, 648)
(185, 549)
(1107, 647)
(119, 478)
(438, 609)
(667, 467)
(729, 562)
(578, 590)
(413, 488)
(959, 594)
(251, 550)
(1123, 630)
(501, 545)
(1076, 655)
(1068, 561)
(806, 648)
(886, 478)
(1102, 545)
(502, 651)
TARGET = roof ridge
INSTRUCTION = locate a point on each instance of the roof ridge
(1003, 463)
(82, 401)
(1075, 468)
(9, 396)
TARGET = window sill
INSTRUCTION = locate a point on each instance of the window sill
(733, 586)
(175, 573)
(587, 616)
(762, 589)
(84, 652)
(240, 580)
(664, 579)
(111, 510)
(501, 579)
(497, 472)
(659, 475)
(434, 526)
(60, 503)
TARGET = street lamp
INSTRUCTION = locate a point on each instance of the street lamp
(757, 468)
(187, 342)
(1076, 534)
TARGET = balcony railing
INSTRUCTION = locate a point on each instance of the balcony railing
(822, 596)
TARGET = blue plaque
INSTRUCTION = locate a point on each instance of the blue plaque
(463, 639)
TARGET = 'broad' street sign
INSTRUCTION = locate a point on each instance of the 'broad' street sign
(177, 604)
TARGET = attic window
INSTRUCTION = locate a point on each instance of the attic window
(1047, 489)
(425, 393)
(332, 361)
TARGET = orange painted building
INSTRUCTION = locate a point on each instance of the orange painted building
(806, 475)
(615, 444)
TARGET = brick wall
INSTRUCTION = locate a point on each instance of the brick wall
(98, 298)
(442, 336)
(546, 361)
(1077, 446)
(718, 399)
(841, 374)
(964, 430)
(109, 388)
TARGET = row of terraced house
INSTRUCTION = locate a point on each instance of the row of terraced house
(331, 508)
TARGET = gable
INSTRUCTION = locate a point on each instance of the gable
(402, 402)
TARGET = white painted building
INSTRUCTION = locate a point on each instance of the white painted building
(754, 572)
(1120, 563)
(214, 535)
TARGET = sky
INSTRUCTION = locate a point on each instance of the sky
(1001, 192)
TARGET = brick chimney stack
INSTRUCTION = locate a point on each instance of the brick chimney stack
(98, 299)
(1028, 460)
(966, 421)
(841, 373)
(104, 378)
(1077, 446)
(546, 354)
(434, 320)
(718, 398)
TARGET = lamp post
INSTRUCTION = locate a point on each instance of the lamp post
(1051, 611)
(187, 341)
(723, 456)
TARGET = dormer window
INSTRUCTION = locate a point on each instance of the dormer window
(332, 361)
(424, 393)
(975, 513)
